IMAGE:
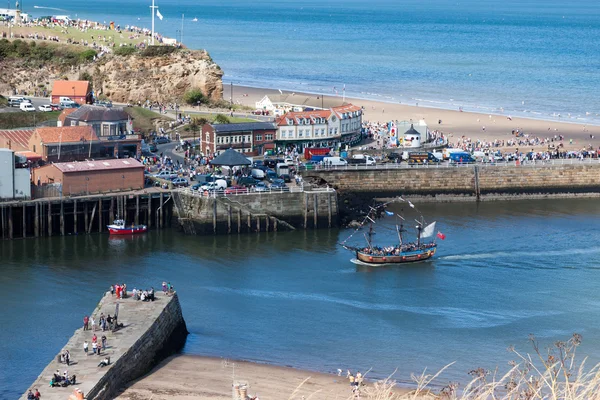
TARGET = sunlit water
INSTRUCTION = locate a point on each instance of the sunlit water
(505, 270)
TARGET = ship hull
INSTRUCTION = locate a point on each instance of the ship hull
(402, 258)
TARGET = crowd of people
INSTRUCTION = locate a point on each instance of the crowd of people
(63, 380)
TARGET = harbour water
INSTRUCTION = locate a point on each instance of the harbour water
(536, 58)
(505, 270)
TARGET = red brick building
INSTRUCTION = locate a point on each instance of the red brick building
(78, 91)
(67, 143)
(251, 139)
(85, 177)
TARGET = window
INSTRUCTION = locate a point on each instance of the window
(335, 131)
(283, 133)
(269, 136)
(105, 130)
(248, 138)
(73, 123)
(300, 132)
(207, 137)
(258, 138)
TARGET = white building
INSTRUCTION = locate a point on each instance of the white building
(320, 128)
(14, 15)
(14, 182)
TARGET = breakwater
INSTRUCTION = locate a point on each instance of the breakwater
(84, 214)
(151, 331)
(255, 212)
(567, 178)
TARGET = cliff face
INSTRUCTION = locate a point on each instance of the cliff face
(124, 79)
(161, 78)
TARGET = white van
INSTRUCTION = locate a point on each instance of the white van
(63, 99)
(258, 173)
(282, 168)
(368, 160)
(15, 101)
(334, 161)
(219, 184)
(27, 107)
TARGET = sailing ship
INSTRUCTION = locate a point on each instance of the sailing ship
(423, 248)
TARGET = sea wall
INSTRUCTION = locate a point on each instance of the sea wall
(152, 331)
(255, 212)
(466, 182)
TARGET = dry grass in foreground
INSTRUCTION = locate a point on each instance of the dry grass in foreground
(552, 374)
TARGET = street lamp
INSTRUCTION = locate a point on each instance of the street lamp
(73, 94)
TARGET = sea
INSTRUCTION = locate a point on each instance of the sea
(505, 270)
(534, 58)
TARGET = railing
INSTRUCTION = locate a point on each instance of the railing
(251, 192)
(446, 164)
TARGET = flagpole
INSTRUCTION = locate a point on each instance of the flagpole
(152, 7)
(181, 41)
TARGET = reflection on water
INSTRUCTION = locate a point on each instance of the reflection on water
(506, 269)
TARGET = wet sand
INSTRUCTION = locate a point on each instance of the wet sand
(454, 123)
(186, 377)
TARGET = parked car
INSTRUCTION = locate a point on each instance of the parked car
(166, 175)
(258, 163)
(162, 140)
(271, 175)
(197, 186)
(286, 178)
(152, 147)
(45, 107)
(56, 107)
(261, 187)
(247, 181)
(15, 101)
(180, 182)
(27, 107)
(219, 184)
(236, 190)
(278, 184)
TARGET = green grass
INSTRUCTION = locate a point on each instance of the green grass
(233, 120)
(143, 119)
(20, 119)
(78, 36)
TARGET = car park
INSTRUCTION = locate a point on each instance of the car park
(180, 182)
(45, 108)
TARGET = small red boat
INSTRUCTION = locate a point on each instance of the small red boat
(119, 228)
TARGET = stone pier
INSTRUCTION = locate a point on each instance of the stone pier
(151, 332)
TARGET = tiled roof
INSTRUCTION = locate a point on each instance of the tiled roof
(65, 88)
(19, 138)
(243, 127)
(340, 110)
(97, 113)
(66, 134)
(64, 114)
(30, 155)
(104, 165)
(297, 116)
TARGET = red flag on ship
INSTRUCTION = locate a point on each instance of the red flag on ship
(441, 235)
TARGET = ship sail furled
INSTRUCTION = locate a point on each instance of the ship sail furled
(428, 231)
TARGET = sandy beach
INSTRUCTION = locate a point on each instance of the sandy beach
(455, 124)
(186, 377)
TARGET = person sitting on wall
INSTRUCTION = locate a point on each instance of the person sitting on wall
(104, 362)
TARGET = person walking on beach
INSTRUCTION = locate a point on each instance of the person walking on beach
(359, 378)
(351, 379)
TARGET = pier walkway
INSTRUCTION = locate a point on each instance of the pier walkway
(151, 331)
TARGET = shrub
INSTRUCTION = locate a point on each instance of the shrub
(125, 50)
(193, 97)
(87, 55)
(221, 119)
(155, 51)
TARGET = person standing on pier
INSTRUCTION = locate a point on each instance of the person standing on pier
(103, 342)
(86, 321)
(94, 347)
(85, 347)
(93, 324)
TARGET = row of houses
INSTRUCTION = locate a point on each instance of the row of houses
(334, 127)
(82, 133)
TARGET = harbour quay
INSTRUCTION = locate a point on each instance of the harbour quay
(150, 331)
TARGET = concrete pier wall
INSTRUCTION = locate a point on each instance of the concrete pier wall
(152, 331)
(473, 181)
(255, 212)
